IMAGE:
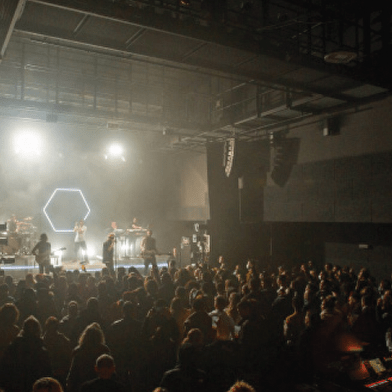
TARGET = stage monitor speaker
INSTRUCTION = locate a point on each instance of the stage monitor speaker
(8, 259)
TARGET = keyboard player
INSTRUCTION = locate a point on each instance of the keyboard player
(135, 234)
(135, 225)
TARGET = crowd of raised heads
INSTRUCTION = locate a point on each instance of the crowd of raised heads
(195, 328)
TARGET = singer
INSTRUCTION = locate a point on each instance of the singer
(108, 252)
(80, 241)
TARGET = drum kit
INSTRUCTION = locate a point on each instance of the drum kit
(22, 235)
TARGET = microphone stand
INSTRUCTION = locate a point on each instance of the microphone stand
(115, 254)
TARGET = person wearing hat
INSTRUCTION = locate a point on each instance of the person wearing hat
(108, 252)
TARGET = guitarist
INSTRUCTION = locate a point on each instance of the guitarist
(108, 252)
(148, 250)
(42, 251)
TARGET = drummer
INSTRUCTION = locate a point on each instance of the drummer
(25, 226)
(12, 224)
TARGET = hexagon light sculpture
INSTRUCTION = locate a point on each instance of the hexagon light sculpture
(63, 199)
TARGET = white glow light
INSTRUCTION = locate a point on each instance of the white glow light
(90, 252)
(50, 199)
(115, 150)
(28, 144)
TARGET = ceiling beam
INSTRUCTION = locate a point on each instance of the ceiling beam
(231, 72)
(156, 124)
(14, 12)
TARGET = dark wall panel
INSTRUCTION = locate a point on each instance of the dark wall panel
(358, 188)
(351, 255)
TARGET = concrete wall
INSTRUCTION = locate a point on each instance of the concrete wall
(341, 178)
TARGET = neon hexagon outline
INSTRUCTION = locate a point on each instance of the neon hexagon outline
(50, 199)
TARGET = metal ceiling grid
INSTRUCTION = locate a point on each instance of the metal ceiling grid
(364, 91)
(46, 20)
(175, 61)
(325, 102)
(103, 32)
(154, 43)
(269, 67)
(217, 56)
(303, 75)
(335, 83)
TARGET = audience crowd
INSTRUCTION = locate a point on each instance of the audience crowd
(190, 329)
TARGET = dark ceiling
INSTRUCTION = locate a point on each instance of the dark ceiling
(178, 73)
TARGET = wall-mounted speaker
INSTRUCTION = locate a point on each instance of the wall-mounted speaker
(331, 126)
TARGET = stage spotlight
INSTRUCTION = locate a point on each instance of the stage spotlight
(115, 152)
(28, 144)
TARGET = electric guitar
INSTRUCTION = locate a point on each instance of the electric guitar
(149, 253)
(42, 257)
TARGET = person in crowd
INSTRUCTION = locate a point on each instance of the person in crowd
(104, 382)
(201, 320)
(59, 289)
(47, 384)
(91, 346)
(30, 281)
(180, 314)
(256, 338)
(166, 289)
(186, 376)
(59, 349)
(68, 323)
(340, 311)
(9, 330)
(241, 386)
(27, 304)
(221, 321)
(295, 323)
(25, 360)
(231, 309)
(172, 267)
(5, 298)
(46, 306)
(161, 333)
(365, 327)
(88, 316)
(9, 280)
(124, 339)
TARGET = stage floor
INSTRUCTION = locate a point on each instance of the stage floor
(20, 265)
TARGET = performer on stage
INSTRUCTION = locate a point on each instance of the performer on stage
(108, 252)
(12, 224)
(135, 225)
(80, 242)
(112, 229)
(42, 251)
(134, 237)
(148, 251)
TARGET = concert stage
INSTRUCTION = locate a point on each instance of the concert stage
(25, 264)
